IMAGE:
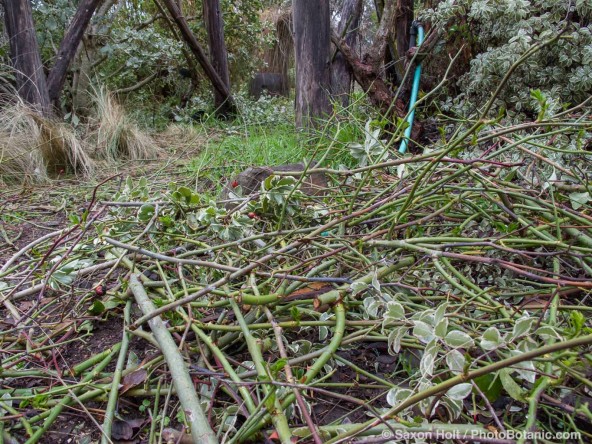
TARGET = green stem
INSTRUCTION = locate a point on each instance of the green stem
(53, 414)
(200, 427)
(278, 418)
(117, 374)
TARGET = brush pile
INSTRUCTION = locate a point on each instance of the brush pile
(441, 294)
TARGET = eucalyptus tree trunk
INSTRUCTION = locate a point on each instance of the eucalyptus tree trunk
(218, 54)
(199, 53)
(24, 53)
(398, 40)
(87, 59)
(83, 77)
(312, 49)
(342, 75)
(368, 68)
(403, 22)
(68, 46)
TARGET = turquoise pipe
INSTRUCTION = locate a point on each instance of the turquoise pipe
(414, 90)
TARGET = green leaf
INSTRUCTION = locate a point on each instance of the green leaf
(40, 401)
(525, 369)
(460, 391)
(577, 320)
(458, 339)
(428, 360)
(490, 385)
(371, 307)
(184, 195)
(522, 327)
(5, 398)
(357, 287)
(579, 199)
(394, 339)
(192, 221)
(453, 406)
(441, 328)
(146, 212)
(133, 360)
(74, 219)
(96, 308)
(278, 366)
(546, 332)
(455, 361)
(396, 395)
(440, 313)
(423, 332)
(112, 303)
(295, 313)
(491, 339)
(510, 386)
(394, 311)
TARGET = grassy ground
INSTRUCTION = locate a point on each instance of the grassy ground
(223, 156)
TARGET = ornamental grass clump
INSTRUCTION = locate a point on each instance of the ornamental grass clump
(35, 148)
(116, 134)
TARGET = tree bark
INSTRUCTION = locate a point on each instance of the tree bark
(218, 54)
(367, 70)
(186, 54)
(342, 76)
(390, 53)
(312, 33)
(403, 21)
(376, 52)
(199, 53)
(87, 60)
(24, 54)
(67, 50)
(379, 92)
(81, 82)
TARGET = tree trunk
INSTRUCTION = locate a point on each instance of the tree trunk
(199, 53)
(218, 55)
(87, 59)
(24, 53)
(312, 46)
(70, 42)
(191, 66)
(390, 54)
(403, 21)
(342, 76)
(81, 82)
(367, 70)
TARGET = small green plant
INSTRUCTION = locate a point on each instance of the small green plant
(278, 196)
(146, 404)
(373, 150)
(218, 222)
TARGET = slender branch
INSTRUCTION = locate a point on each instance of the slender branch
(200, 427)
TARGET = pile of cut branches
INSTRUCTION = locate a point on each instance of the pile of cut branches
(464, 274)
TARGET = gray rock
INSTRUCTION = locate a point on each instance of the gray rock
(250, 180)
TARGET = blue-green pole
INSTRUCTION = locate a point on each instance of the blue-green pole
(414, 92)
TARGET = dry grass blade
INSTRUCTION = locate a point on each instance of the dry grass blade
(116, 134)
(33, 148)
(185, 139)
